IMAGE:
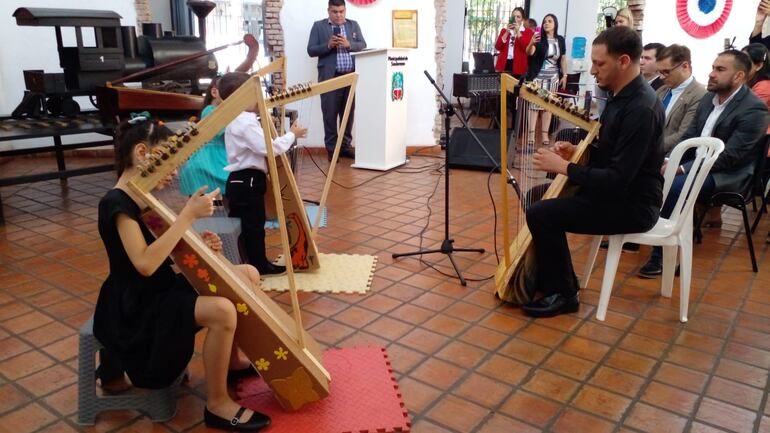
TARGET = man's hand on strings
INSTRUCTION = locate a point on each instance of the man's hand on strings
(212, 240)
(565, 149)
(548, 160)
(298, 130)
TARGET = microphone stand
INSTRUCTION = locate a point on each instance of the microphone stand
(447, 245)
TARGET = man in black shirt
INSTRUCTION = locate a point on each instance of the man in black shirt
(620, 189)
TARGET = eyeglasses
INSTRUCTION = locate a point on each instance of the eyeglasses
(668, 71)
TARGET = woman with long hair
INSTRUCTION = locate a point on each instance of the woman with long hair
(548, 68)
(624, 18)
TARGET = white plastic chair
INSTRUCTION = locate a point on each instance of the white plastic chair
(670, 233)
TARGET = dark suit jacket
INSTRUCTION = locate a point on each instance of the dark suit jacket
(682, 113)
(657, 83)
(741, 126)
(327, 58)
(541, 50)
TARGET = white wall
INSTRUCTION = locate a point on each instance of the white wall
(297, 18)
(453, 38)
(161, 13)
(661, 25)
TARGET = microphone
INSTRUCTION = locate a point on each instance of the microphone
(432, 81)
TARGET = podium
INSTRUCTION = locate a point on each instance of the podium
(381, 108)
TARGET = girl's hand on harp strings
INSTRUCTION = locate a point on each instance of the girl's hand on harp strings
(200, 204)
(212, 240)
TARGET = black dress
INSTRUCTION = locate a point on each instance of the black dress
(148, 323)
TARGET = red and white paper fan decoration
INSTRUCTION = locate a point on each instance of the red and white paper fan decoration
(362, 2)
(703, 18)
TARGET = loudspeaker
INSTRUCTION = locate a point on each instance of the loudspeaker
(464, 152)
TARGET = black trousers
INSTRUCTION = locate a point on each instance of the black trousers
(333, 108)
(549, 222)
(245, 193)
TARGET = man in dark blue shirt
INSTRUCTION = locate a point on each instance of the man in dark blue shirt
(620, 190)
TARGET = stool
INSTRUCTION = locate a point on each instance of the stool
(158, 404)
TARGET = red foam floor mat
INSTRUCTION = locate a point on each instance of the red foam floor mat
(363, 398)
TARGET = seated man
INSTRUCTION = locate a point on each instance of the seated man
(620, 189)
(681, 93)
(732, 113)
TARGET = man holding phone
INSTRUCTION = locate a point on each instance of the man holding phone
(332, 40)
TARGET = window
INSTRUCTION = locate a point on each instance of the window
(483, 21)
(227, 23)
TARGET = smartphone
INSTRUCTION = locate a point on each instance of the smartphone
(537, 29)
(511, 19)
(336, 30)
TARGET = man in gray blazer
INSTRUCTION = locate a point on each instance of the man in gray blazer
(681, 93)
(732, 113)
(332, 40)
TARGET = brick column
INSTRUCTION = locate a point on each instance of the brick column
(143, 14)
(440, 6)
(637, 9)
(274, 34)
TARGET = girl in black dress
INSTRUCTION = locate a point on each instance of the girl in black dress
(146, 315)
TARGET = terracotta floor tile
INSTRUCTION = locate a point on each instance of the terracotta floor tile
(599, 332)
(691, 358)
(701, 342)
(425, 426)
(747, 354)
(652, 420)
(445, 325)
(417, 395)
(64, 401)
(703, 428)
(58, 427)
(483, 337)
(569, 365)
(423, 340)
(26, 322)
(13, 397)
(572, 421)
(655, 330)
(12, 346)
(461, 354)
(24, 364)
(26, 419)
(403, 358)
(466, 311)
(48, 380)
(505, 369)
(726, 416)
(48, 334)
(670, 398)
(482, 390)
(735, 393)
(600, 402)
(437, 373)
(541, 335)
(742, 373)
(325, 307)
(411, 314)
(585, 349)
(552, 386)
(630, 362)
(617, 381)
(502, 323)
(457, 414)
(764, 426)
(329, 332)
(388, 328)
(502, 424)
(524, 351)
(379, 303)
(643, 345)
(9, 311)
(530, 408)
(64, 349)
(685, 378)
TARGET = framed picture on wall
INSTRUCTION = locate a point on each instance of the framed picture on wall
(404, 29)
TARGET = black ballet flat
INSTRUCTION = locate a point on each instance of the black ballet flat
(257, 422)
(234, 375)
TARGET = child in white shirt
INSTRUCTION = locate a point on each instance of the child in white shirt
(247, 182)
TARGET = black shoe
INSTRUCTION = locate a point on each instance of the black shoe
(652, 269)
(348, 152)
(628, 247)
(257, 422)
(271, 269)
(235, 375)
(552, 305)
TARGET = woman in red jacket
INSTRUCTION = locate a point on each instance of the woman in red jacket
(512, 44)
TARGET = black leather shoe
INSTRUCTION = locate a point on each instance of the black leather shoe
(652, 269)
(348, 152)
(235, 375)
(257, 422)
(552, 305)
(271, 269)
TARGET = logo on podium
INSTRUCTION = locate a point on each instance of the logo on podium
(397, 86)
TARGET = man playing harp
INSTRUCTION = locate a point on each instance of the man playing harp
(620, 187)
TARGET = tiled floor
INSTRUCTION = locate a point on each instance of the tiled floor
(465, 363)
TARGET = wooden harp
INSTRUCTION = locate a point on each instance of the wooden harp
(515, 275)
(286, 356)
